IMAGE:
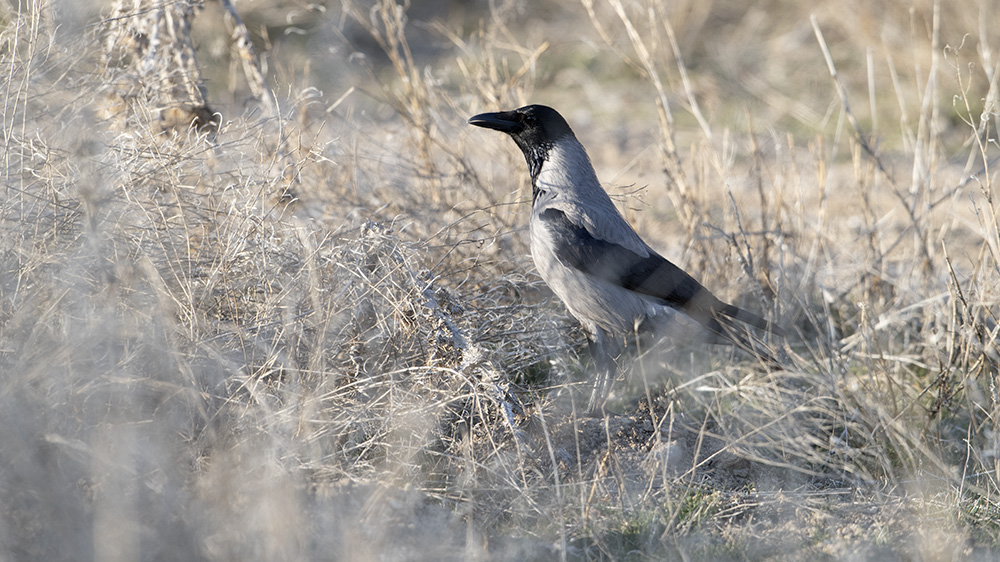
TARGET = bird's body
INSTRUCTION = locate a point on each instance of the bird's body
(556, 220)
(592, 259)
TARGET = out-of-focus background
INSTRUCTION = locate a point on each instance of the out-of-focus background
(265, 295)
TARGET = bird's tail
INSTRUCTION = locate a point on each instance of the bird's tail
(737, 313)
(728, 323)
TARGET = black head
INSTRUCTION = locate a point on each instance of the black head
(535, 129)
(529, 125)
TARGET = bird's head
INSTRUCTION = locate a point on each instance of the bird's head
(528, 125)
(535, 129)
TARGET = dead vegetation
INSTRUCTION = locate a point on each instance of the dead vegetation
(311, 330)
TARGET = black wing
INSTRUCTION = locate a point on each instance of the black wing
(653, 275)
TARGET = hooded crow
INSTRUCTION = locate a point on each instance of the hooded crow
(594, 261)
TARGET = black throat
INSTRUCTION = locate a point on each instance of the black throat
(535, 156)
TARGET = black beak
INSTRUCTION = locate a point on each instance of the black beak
(505, 122)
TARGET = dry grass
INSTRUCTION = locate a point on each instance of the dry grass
(313, 332)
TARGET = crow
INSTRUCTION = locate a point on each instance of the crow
(611, 281)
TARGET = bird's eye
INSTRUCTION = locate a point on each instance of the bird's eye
(529, 120)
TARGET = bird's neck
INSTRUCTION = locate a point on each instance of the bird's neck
(563, 166)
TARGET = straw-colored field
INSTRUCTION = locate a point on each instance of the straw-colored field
(309, 328)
